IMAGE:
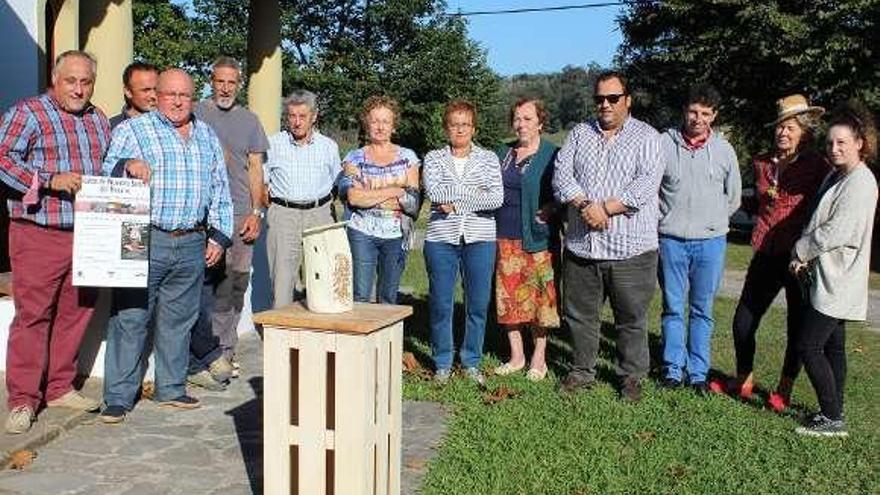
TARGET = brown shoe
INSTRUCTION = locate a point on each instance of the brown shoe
(631, 390)
(75, 400)
(575, 382)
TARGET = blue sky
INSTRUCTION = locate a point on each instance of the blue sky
(542, 41)
(539, 41)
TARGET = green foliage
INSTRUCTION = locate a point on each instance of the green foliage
(754, 53)
(345, 51)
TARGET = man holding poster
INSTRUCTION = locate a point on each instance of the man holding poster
(47, 144)
(191, 225)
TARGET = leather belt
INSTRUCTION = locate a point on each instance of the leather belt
(302, 205)
(180, 232)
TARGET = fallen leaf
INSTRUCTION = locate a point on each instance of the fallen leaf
(418, 464)
(678, 471)
(147, 390)
(21, 459)
(859, 349)
(410, 363)
(500, 394)
(645, 436)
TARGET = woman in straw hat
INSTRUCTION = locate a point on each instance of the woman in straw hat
(786, 179)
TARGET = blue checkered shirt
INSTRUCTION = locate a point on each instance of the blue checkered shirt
(301, 172)
(627, 166)
(188, 184)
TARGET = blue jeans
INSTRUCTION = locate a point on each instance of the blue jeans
(371, 254)
(690, 273)
(171, 303)
(476, 261)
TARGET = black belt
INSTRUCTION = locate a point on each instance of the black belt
(300, 205)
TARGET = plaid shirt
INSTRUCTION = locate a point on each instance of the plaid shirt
(628, 166)
(188, 181)
(38, 137)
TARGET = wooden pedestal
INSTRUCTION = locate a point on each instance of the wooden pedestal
(332, 400)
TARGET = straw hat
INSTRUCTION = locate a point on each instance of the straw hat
(796, 104)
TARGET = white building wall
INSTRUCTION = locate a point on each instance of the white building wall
(20, 45)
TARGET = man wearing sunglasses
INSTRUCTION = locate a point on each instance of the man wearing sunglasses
(608, 172)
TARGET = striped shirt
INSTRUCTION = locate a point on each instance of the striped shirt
(627, 166)
(301, 172)
(188, 181)
(384, 220)
(475, 193)
(38, 137)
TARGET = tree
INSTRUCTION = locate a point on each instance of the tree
(344, 50)
(754, 53)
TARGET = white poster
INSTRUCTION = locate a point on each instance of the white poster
(111, 235)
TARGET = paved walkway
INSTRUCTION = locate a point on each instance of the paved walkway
(216, 449)
(732, 287)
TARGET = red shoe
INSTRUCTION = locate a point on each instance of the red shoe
(717, 387)
(778, 402)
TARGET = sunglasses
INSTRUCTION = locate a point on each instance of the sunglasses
(612, 99)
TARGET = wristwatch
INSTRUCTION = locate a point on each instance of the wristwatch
(258, 212)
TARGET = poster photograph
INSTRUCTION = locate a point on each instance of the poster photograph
(111, 235)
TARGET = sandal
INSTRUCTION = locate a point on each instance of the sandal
(506, 369)
(536, 375)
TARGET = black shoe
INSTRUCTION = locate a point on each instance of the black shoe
(113, 415)
(631, 390)
(182, 402)
(575, 382)
(700, 388)
(670, 383)
(821, 426)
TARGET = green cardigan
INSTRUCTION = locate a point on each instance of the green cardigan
(537, 190)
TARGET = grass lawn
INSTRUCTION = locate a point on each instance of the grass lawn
(539, 442)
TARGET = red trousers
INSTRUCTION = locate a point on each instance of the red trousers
(51, 315)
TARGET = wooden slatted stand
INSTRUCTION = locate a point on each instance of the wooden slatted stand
(332, 400)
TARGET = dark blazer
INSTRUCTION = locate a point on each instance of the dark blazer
(537, 190)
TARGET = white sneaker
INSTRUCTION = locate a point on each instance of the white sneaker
(19, 420)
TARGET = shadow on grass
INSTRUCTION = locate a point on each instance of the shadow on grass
(417, 340)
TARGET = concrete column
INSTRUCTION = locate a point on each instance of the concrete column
(106, 33)
(264, 63)
(66, 35)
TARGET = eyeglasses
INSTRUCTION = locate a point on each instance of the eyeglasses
(174, 96)
(612, 99)
(460, 126)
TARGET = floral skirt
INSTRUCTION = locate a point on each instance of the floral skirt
(525, 292)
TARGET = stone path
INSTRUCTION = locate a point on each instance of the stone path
(216, 449)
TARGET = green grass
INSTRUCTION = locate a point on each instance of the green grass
(540, 442)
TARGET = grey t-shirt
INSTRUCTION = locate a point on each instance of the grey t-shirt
(240, 133)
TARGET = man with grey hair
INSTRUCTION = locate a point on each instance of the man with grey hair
(47, 143)
(244, 143)
(302, 166)
(191, 226)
